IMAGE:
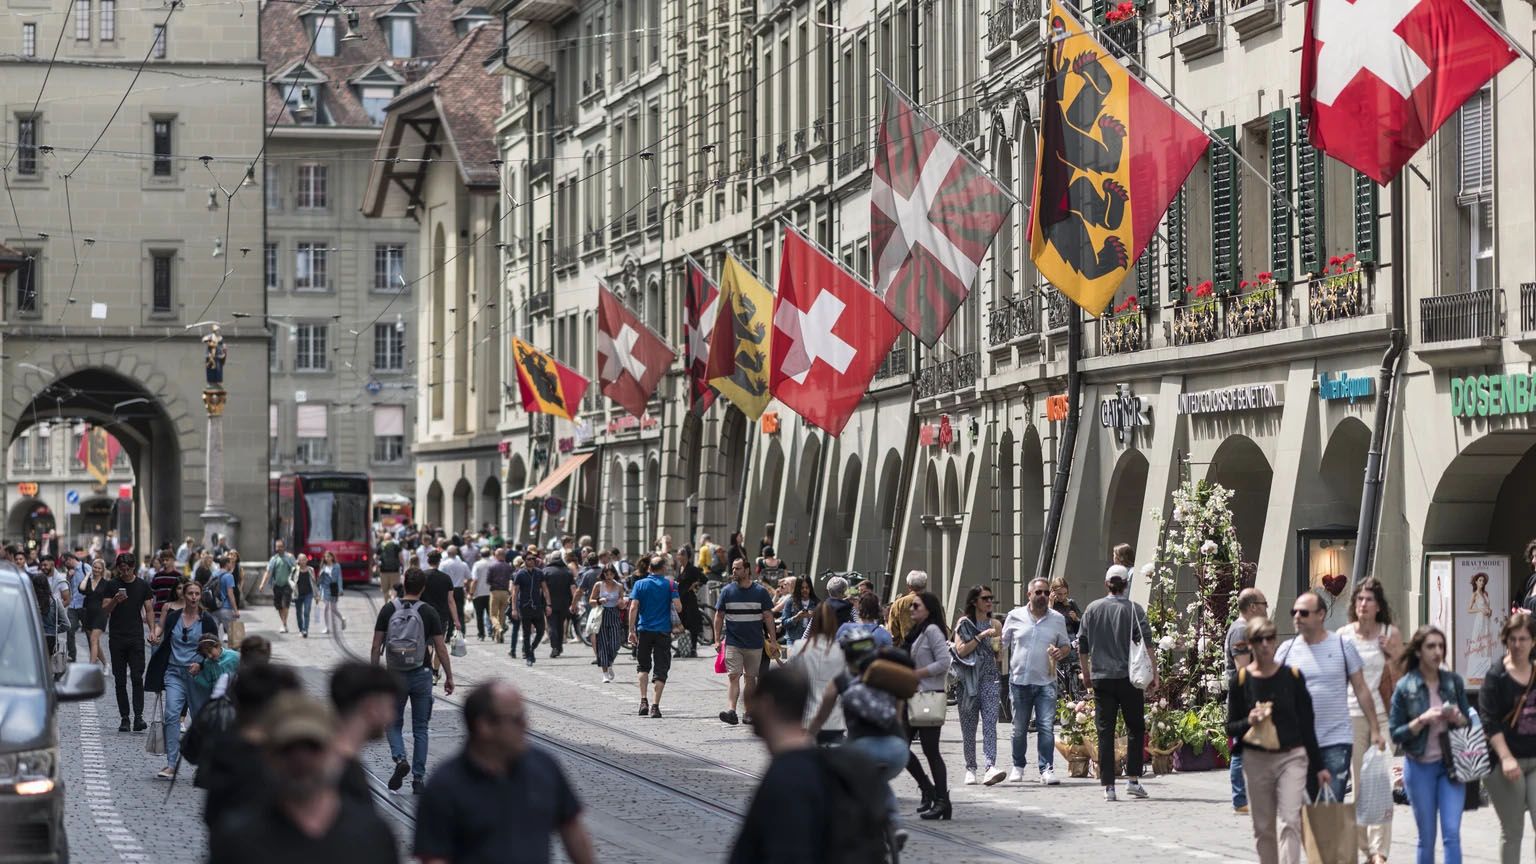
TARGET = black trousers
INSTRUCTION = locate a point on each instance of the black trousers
(128, 658)
(1112, 695)
(557, 620)
(76, 618)
(482, 613)
(929, 737)
(533, 629)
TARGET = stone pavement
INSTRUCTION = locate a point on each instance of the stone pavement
(622, 766)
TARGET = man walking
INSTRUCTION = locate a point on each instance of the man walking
(407, 628)
(651, 605)
(1104, 645)
(1250, 604)
(744, 613)
(899, 620)
(1036, 636)
(480, 589)
(530, 603)
(465, 818)
(458, 574)
(439, 594)
(1332, 667)
(389, 565)
(499, 577)
(560, 583)
(279, 570)
(126, 600)
(225, 592)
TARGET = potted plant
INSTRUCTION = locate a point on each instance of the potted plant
(1164, 734)
(1076, 741)
(1122, 327)
(1255, 310)
(1196, 319)
(1336, 292)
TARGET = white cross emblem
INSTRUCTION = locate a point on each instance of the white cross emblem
(1361, 36)
(813, 337)
(915, 226)
(698, 335)
(624, 352)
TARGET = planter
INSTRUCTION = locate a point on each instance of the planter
(1186, 760)
(1077, 766)
(1079, 757)
(1162, 760)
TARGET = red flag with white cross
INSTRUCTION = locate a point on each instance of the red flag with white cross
(831, 333)
(631, 358)
(1378, 77)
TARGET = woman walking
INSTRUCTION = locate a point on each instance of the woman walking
(821, 659)
(928, 645)
(1508, 713)
(1379, 644)
(1275, 767)
(797, 610)
(608, 595)
(330, 592)
(976, 640)
(1427, 702)
(95, 617)
(175, 664)
(303, 593)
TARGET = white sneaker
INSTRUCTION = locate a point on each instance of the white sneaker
(970, 778)
(1048, 777)
(1109, 793)
(1134, 790)
(993, 776)
(1016, 776)
(285, 628)
(325, 631)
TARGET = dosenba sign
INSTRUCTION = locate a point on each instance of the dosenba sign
(1493, 395)
(1245, 397)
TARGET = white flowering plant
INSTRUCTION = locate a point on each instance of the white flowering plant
(1076, 719)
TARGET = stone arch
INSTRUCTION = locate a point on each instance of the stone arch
(490, 501)
(806, 478)
(952, 491)
(877, 559)
(652, 501)
(29, 517)
(1127, 500)
(732, 459)
(463, 506)
(1031, 506)
(435, 504)
(634, 525)
(1240, 465)
(1007, 538)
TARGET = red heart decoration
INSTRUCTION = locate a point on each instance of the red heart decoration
(1335, 583)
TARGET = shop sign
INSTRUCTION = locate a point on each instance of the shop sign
(125, 491)
(630, 422)
(770, 422)
(26, 490)
(1124, 412)
(1493, 395)
(928, 434)
(1057, 408)
(583, 433)
(1244, 397)
(566, 445)
(503, 447)
(1345, 386)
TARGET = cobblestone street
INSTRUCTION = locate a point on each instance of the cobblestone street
(669, 789)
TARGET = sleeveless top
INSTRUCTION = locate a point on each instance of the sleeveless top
(1375, 664)
(609, 599)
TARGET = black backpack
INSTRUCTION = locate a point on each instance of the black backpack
(856, 800)
(216, 718)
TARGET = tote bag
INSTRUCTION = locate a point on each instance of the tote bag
(1468, 755)
(1140, 659)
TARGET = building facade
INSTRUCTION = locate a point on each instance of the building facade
(51, 489)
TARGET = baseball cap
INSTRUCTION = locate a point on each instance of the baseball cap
(1117, 571)
(293, 717)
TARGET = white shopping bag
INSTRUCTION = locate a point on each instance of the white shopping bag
(1373, 788)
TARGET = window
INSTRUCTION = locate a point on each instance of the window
(375, 100)
(273, 282)
(83, 20)
(310, 267)
(26, 284)
(108, 30)
(1475, 196)
(161, 270)
(309, 347)
(29, 40)
(272, 363)
(401, 37)
(162, 133)
(388, 348)
(26, 145)
(325, 37)
(76, 442)
(159, 50)
(273, 430)
(311, 186)
(388, 266)
(312, 428)
(388, 433)
(274, 188)
(20, 452)
(41, 454)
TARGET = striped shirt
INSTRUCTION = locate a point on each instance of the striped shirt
(1327, 667)
(743, 609)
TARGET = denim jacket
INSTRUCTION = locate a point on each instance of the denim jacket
(1410, 698)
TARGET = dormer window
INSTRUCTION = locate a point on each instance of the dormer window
(325, 36)
(468, 19)
(375, 99)
(402, 37)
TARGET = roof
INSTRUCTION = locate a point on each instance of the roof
(286, 42)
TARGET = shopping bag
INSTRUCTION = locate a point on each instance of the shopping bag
(236, 633)
(1373, 788)
(459, 649)
(1328, 830)
(1469, 751)
(154, 745)
(1263, 734)
(720, 658)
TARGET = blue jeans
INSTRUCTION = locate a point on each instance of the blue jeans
(889, 753)
(1336, 760)
(1432, 792)
(1239, 784)
(180, 693)
(418, 689)
(301, 606)
(1039, 699)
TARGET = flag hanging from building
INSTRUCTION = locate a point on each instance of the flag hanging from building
(739, 344)
(933, 214)
(700, 302)
(545, 385)
(832, 335)
(631, 358)
(1111, 157)
(1378, 78)
(98, 450)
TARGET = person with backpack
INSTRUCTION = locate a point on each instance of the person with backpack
(405, 631)
(279, 570)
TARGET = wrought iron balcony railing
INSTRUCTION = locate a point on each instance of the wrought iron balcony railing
(1473, 315)
(947, 376)
(1123, 333)
(1058, 309)
(1528, 307)
(1014, 318)
(1000, 25)
(1187, 14)
(1340, 295)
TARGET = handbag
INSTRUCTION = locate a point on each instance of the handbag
(58, 662)
(927, 708)
(236, 632)
(1140, 665)
(593, 623)
(458, 649)
(720, 658)
(1468, 753)
(154, 745)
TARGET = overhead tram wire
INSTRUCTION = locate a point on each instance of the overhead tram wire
(5, 170)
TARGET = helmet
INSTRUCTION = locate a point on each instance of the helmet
(857, 643)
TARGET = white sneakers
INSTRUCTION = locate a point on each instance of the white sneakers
(1016, 776)
(1134, 790)
(994, 776)
(1048, 777)
(970, 778)
(608, 677)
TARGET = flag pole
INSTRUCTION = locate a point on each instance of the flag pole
(960, 147)
(1499, 29)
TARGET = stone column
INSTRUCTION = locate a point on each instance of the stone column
(216, 516)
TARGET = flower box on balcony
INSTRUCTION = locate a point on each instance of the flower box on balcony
(1258, 311)
(1196, 322)
(1252, 17)
(1122, 333)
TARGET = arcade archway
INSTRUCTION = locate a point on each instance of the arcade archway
(1482, 502)
(1127, 497)
(1240, 466)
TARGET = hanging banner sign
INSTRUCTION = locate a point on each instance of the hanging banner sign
(1124, 412)
(1244, 397)
(1056, 408)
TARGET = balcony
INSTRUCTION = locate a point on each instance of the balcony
(1474, 315)
(539, 168)
(965, 126)
(1196, 27)
(539, 10)
(1252, 17)
(947, 376)
(1528, 307)
(897, 364)
(1123, 37)
(1058, 310)
(1000, 26)
(1338, 296)
(1016, 317)
(527, 48)
(1258, 311)
(1197, 322)
(565, 257)
(852, 159)
(1123, 333)
(540, 302)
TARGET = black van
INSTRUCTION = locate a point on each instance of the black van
(31, 784)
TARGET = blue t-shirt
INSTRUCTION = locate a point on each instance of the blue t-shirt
(222, 582)
(655, 595)
(743, 609)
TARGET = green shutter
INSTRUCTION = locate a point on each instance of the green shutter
(1366, 215)
(1146, 276)
(1226, 239)
(1280, 195)
(1309, 200)
(1100, 9)
(1178, 269)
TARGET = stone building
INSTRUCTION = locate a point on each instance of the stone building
(131, 241)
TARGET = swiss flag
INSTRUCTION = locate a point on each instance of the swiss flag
(1378, 77)
(831, 335)
(631, 358)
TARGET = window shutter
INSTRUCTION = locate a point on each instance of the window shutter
(1226, 239)
(1280, 196)
(1365, 219)
(1477, 144)
(311, 421)
(1309, 199)
(388, 420)
(1100, 9)
(1178, 269)
(1146, 276)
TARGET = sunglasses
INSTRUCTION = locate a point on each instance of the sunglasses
(986, 597)
(1038, 593)
(1302, 613)
(1260, 640)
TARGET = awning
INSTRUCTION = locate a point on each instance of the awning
(548, 484)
